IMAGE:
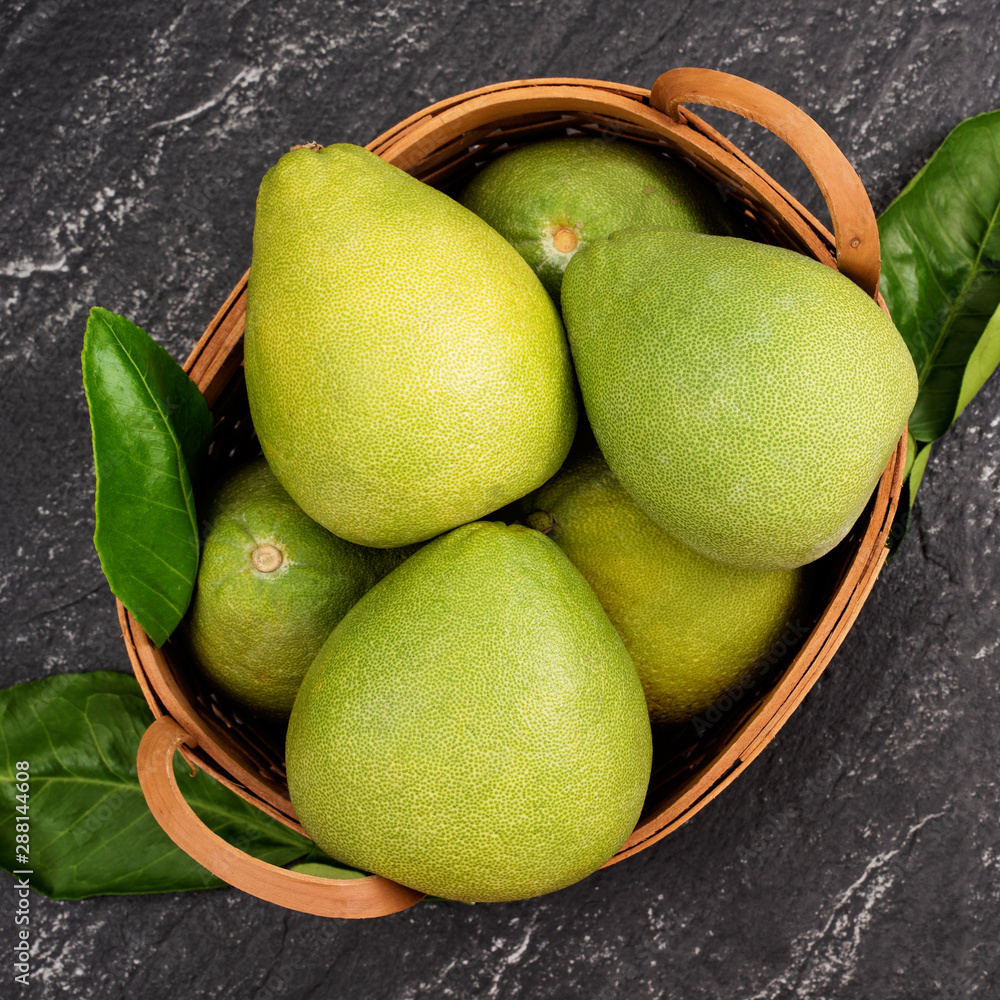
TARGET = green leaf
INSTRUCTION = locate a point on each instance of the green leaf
(320, 859)
(89, 829)
(911, 453)
(941, 268)
(322, 870)
(982, 363)
(917, 472)
(150, 426)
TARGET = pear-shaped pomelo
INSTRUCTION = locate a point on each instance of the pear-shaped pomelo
(694, 628)
(747, 397)
(550, 198)
(473, 727)
(406, 370)
(271, 585)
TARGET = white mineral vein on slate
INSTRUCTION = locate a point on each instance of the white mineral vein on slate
(828, 956)
(25, 268)
(247, 75)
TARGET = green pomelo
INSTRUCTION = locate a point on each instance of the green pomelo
(406, 370)
(272, 583)
(693, 627)
(550, 198)
(747, 397)
(474, 727)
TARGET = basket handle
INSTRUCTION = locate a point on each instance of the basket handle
(361, 897)
(854, 226)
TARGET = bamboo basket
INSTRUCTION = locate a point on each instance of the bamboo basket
(443, 145)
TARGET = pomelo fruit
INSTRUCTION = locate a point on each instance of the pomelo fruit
(550, 198)
(746, 396)
(473, 727)
(271, 585)
(693, 627)
(405, 368)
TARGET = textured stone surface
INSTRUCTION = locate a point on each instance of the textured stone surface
(858, 858)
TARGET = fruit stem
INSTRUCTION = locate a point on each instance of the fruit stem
(541, 520)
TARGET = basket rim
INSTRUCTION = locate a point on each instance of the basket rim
(431, 110)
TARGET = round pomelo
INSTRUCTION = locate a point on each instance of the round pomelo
(271, 585)
(747, 397)
(473, 727)
(548, 199)
(693, 627)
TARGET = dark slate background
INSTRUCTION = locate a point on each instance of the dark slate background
(858, 858)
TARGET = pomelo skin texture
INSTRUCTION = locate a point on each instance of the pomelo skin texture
(473, 727)
(551, 198)
(693, 627)
(271, 585)
(406, 370)
(747, 397)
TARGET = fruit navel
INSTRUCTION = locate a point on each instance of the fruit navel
(564, 240)
(551, 198)
(267, 558)
(271, 586)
